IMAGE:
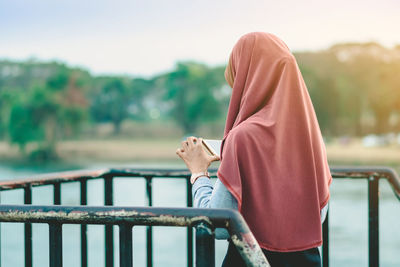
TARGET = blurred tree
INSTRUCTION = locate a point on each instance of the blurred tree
(43, 112)
(22, 127)
(142, 90)
(370, 70)
(319, 71)
(354, 88)
(112, 101)
(4, 111)
(325, 98)
(190, 90)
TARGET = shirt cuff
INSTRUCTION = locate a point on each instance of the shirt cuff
(200, 182)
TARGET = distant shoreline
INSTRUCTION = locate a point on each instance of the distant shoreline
(163, 151)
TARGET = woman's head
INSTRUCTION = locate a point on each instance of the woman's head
(262, 45)
(229, 74)
(255, 65)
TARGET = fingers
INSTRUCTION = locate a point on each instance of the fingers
(192, 141)
(215, 158)
(179, 152)
(184, 144)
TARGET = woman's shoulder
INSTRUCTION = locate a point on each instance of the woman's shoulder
(243, 131)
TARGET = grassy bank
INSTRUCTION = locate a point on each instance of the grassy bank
(163, 150)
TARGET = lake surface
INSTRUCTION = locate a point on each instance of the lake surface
(348, 222)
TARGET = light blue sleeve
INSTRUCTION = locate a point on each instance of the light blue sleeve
(205, 195)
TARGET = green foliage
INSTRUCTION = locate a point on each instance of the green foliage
(190, 88)
(23, 128)
(325, 98)
(354, 87)
(142, 91)
(111, 102)
(42, 113)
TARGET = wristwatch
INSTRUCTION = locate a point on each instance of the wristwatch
(196, 175)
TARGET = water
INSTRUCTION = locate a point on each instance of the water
(348, 223)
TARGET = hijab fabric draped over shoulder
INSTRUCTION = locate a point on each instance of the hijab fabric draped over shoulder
(273, 155)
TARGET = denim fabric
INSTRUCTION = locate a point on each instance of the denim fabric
(205, 195)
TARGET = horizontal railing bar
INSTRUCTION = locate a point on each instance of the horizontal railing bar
(51, 178)
(75, 176)
(63, 177)
(116, 215)
(239, 232)
(369, 171)
(20, 184)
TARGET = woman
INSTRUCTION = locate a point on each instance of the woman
(273, 168)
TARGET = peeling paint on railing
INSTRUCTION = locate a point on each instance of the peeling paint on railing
(241, 236)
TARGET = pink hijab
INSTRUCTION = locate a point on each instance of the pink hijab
(273, 155)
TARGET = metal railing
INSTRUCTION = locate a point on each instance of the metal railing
(204, 220)
(126, 217)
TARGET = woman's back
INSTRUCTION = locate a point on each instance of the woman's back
(273, 156)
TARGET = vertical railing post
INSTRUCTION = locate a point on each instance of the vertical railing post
(205, 246)
(109, 235)
(149, 233)
(57, 194)
(0, 233)
(55, 236)
(373, 221)
(125, 245)
(325, 238)
(28, 228)
(83, 197)
(189, 203)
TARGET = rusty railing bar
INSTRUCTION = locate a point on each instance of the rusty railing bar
(325, 239)
(83, 202)
(149, 230)
(28, 229)
(57, 194)
(55, 244)
(189, 234)
(108, 229)
(354, 172)
(125, 245)
(373, 221)
(337, 172)
(240, 234)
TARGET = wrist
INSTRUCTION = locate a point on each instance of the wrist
(198, 171)
(197, 175)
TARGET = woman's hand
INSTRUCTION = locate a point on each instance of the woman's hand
(195, 157)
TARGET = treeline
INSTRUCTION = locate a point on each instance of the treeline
(355, 89)
(42, 103)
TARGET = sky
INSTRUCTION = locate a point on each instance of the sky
(144, 38)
